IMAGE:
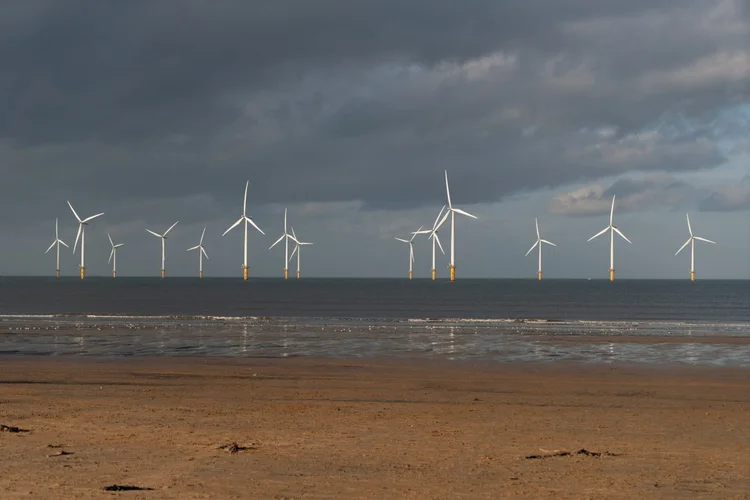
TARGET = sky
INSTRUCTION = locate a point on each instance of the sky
(348, 114)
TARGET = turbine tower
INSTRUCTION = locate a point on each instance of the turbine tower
(691, 241)
(612, 230)
(539, 242)
(113, 255)
(82, 223)
(247, 220)
(433, 235)
(163, 247)
(201, 253)
(285, 236)
(452, 211)
(298, 250)
(57, 243)
(410, 242)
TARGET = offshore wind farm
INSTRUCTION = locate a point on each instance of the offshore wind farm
(461, 324)
(446, 212)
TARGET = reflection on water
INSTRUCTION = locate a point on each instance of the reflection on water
(588, 342)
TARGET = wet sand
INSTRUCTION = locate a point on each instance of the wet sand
(321, 428)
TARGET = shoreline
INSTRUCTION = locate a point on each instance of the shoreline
(370, 428)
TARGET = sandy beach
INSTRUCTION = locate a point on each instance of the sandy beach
(322, 428)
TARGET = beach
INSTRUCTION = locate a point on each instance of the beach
(370, 428)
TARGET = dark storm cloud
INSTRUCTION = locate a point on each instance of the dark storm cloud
(147, 101)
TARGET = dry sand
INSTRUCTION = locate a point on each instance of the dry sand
(369, 429)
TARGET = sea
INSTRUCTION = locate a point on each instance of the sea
(705, 322)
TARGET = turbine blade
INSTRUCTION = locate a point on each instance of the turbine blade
(63, 243)
(704, 239)
(277, 241)
(689, 228)
(204, 253)
(448, 190)
(92, 217)
(252, 223)
(623, 236)
(110, 240)
(401, 239)
(119, 245)
(418, 231)
(244, 202)
(536, 222)
(193, 248)
(80, 226)
(110, 255)
(170, 228)
(74, 212)
(294, 239)
(532, 247)
(599, 233)
(155, 234)
(435, 224)
(293, 252)
(683, 246)
(202, 235)
(57, 234)
(548, 242)
(51, 246)
(459, 211)
(445, 218)
(234, 225)
(294, 235)
(437, 239)
(612, 210)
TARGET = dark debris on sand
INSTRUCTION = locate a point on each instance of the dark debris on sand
(234, 447)
(126, 487)
(10, 428)
(582, 451)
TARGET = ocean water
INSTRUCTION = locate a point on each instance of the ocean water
(630, 321)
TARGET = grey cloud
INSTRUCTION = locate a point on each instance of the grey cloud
(652, 193)
(145, 105)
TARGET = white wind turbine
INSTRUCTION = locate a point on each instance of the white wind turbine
(201, 253)
(163, 247)
(247, 220)
(298, 250)
(539, 242)
(433, 235)
(452, 211)
(285, 236)
(410, 242)
(57, 242)
(113, 255)
(82, 223)
(691, 241)
(612, 230)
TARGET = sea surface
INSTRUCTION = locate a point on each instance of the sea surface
(590, 321)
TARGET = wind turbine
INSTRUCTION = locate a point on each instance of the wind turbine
(201, 253)
(691, 240)
(539, 242)
(247, 220)
(433, 235)
(163, 247)
(452, 211)
(57, 242)
(612, 230)
(113, 255)
(410, 242)
(285, 236)
(82, 223)
(298, 250)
